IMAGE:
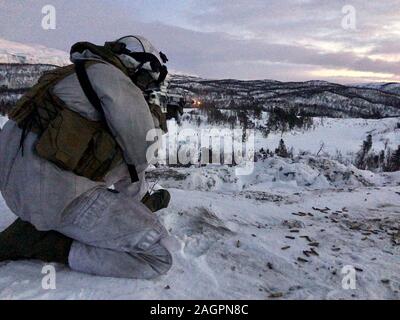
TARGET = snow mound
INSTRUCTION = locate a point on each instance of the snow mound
(303, 172)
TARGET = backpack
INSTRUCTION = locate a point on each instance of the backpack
(66, 138)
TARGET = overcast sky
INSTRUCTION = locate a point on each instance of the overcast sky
(286, 40)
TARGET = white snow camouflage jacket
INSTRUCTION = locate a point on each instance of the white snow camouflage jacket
(39, 191)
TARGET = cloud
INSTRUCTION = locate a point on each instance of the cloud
(387, 47)
(283, 40)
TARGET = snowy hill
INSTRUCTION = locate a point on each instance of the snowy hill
(14, 52)
(21, 65)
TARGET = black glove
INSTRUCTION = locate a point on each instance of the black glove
(157, 200)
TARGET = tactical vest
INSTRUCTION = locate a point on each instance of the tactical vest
(66, 138)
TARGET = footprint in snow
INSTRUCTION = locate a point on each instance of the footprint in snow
(199, 229)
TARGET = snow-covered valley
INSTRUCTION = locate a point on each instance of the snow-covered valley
(284, 232)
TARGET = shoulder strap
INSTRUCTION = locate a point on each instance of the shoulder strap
(87, 87)
(94, 99)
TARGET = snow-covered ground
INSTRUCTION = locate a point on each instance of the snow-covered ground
(285, 231)
(334, 135)
(344, 135)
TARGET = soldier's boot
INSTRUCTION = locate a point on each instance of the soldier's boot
(21, 241)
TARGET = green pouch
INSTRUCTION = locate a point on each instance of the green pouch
(66, 139)
(102, 154)
(79, 145)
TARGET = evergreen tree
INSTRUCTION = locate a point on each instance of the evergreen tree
(394, 164)
(382, 157)
(281, 151)
(361, 158)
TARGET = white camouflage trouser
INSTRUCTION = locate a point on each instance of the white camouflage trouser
(115, 236)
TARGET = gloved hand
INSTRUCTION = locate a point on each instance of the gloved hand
(157, 200)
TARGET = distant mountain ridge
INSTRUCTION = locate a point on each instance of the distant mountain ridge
(313, 97)
(391, 87)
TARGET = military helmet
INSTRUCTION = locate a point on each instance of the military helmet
(138, 54)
